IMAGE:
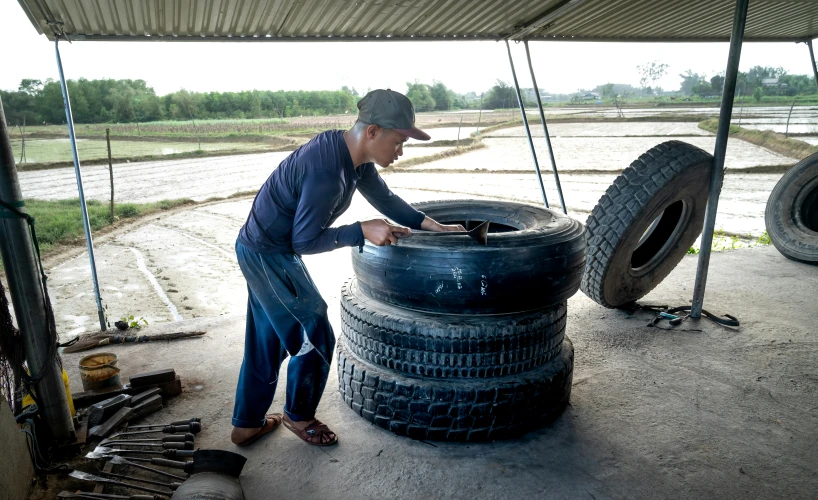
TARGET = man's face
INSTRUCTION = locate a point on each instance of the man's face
(386, 146)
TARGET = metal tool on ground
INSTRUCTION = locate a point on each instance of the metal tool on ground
(186, 445)
(147, 406)
(102, 430)
(102, 411)
(172, 485)
(191, 420)
(219, 461)
(106, 452)
(84, 476)
(478, 234)
(193, 428)
(91, 496)
(117, 460)
(173, 438)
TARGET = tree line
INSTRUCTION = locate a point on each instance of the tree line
(759, 81)
(128, 101)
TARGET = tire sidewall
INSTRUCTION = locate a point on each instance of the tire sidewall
(536, 266)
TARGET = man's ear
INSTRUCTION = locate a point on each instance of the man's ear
(372, 131)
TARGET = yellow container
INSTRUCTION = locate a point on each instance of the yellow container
(68, 393)
(28, 400)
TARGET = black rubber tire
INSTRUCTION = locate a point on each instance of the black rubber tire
(536, 265)
(660, 197)
(449, 345)
(456, 410)
(791, 216)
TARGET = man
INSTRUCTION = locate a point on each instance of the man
(291, 216)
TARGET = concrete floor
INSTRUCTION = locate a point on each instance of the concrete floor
(701, 411)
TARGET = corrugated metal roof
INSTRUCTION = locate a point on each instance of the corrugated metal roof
(287, 20)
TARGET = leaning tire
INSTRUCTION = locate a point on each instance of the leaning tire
(791, 216)
(456, 410)
(449, 345)
(534, 258)
(645, 223)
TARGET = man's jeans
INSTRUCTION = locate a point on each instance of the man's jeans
(285, 315)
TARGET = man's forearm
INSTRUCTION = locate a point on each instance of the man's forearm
(430, 224)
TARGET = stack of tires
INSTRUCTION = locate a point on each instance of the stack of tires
(445, 339)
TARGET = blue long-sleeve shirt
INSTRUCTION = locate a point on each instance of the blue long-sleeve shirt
(310, 189)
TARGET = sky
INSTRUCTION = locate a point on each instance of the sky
(561, 67)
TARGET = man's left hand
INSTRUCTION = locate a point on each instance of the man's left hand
(429, 224)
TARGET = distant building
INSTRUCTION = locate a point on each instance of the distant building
(769, 82)
(591, 95)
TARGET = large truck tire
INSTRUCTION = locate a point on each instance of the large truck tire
(449, 345)
(456, 410)
(645, 223)
(791, 216)
(534, 259)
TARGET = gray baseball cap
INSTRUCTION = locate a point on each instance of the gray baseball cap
(390, 109)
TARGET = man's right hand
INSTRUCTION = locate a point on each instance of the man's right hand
(380, 233)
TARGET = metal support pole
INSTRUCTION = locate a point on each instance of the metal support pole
(545, 129)
(812, 60)
(525, 122)
(85, 224)
(23, 278)
(717, 175)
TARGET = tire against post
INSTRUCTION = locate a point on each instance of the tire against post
(645, 223)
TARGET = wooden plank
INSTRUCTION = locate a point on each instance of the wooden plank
(102, 431)
(100, 487)
(138, 398)
(155, 377)
(87, 398)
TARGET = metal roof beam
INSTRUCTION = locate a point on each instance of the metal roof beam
(543, 21)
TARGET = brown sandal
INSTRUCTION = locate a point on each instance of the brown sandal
(273, 421)
(316, 430)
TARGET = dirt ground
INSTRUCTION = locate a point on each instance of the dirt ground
(701, 411)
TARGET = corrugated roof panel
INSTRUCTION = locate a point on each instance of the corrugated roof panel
(625, 20)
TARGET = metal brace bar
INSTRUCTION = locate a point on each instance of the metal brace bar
(812, 60)
(85, 224)
(717, 175)
(545, 130)
(525, 122)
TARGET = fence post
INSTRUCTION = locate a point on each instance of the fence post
(23, 136)
(479, 116)
(787, 130)
(110, 170)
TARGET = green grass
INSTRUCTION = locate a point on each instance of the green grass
(765, 138)
(723, 241)
(60, 222)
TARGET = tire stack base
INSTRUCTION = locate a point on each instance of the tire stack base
(456, 410)
(498, 376)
